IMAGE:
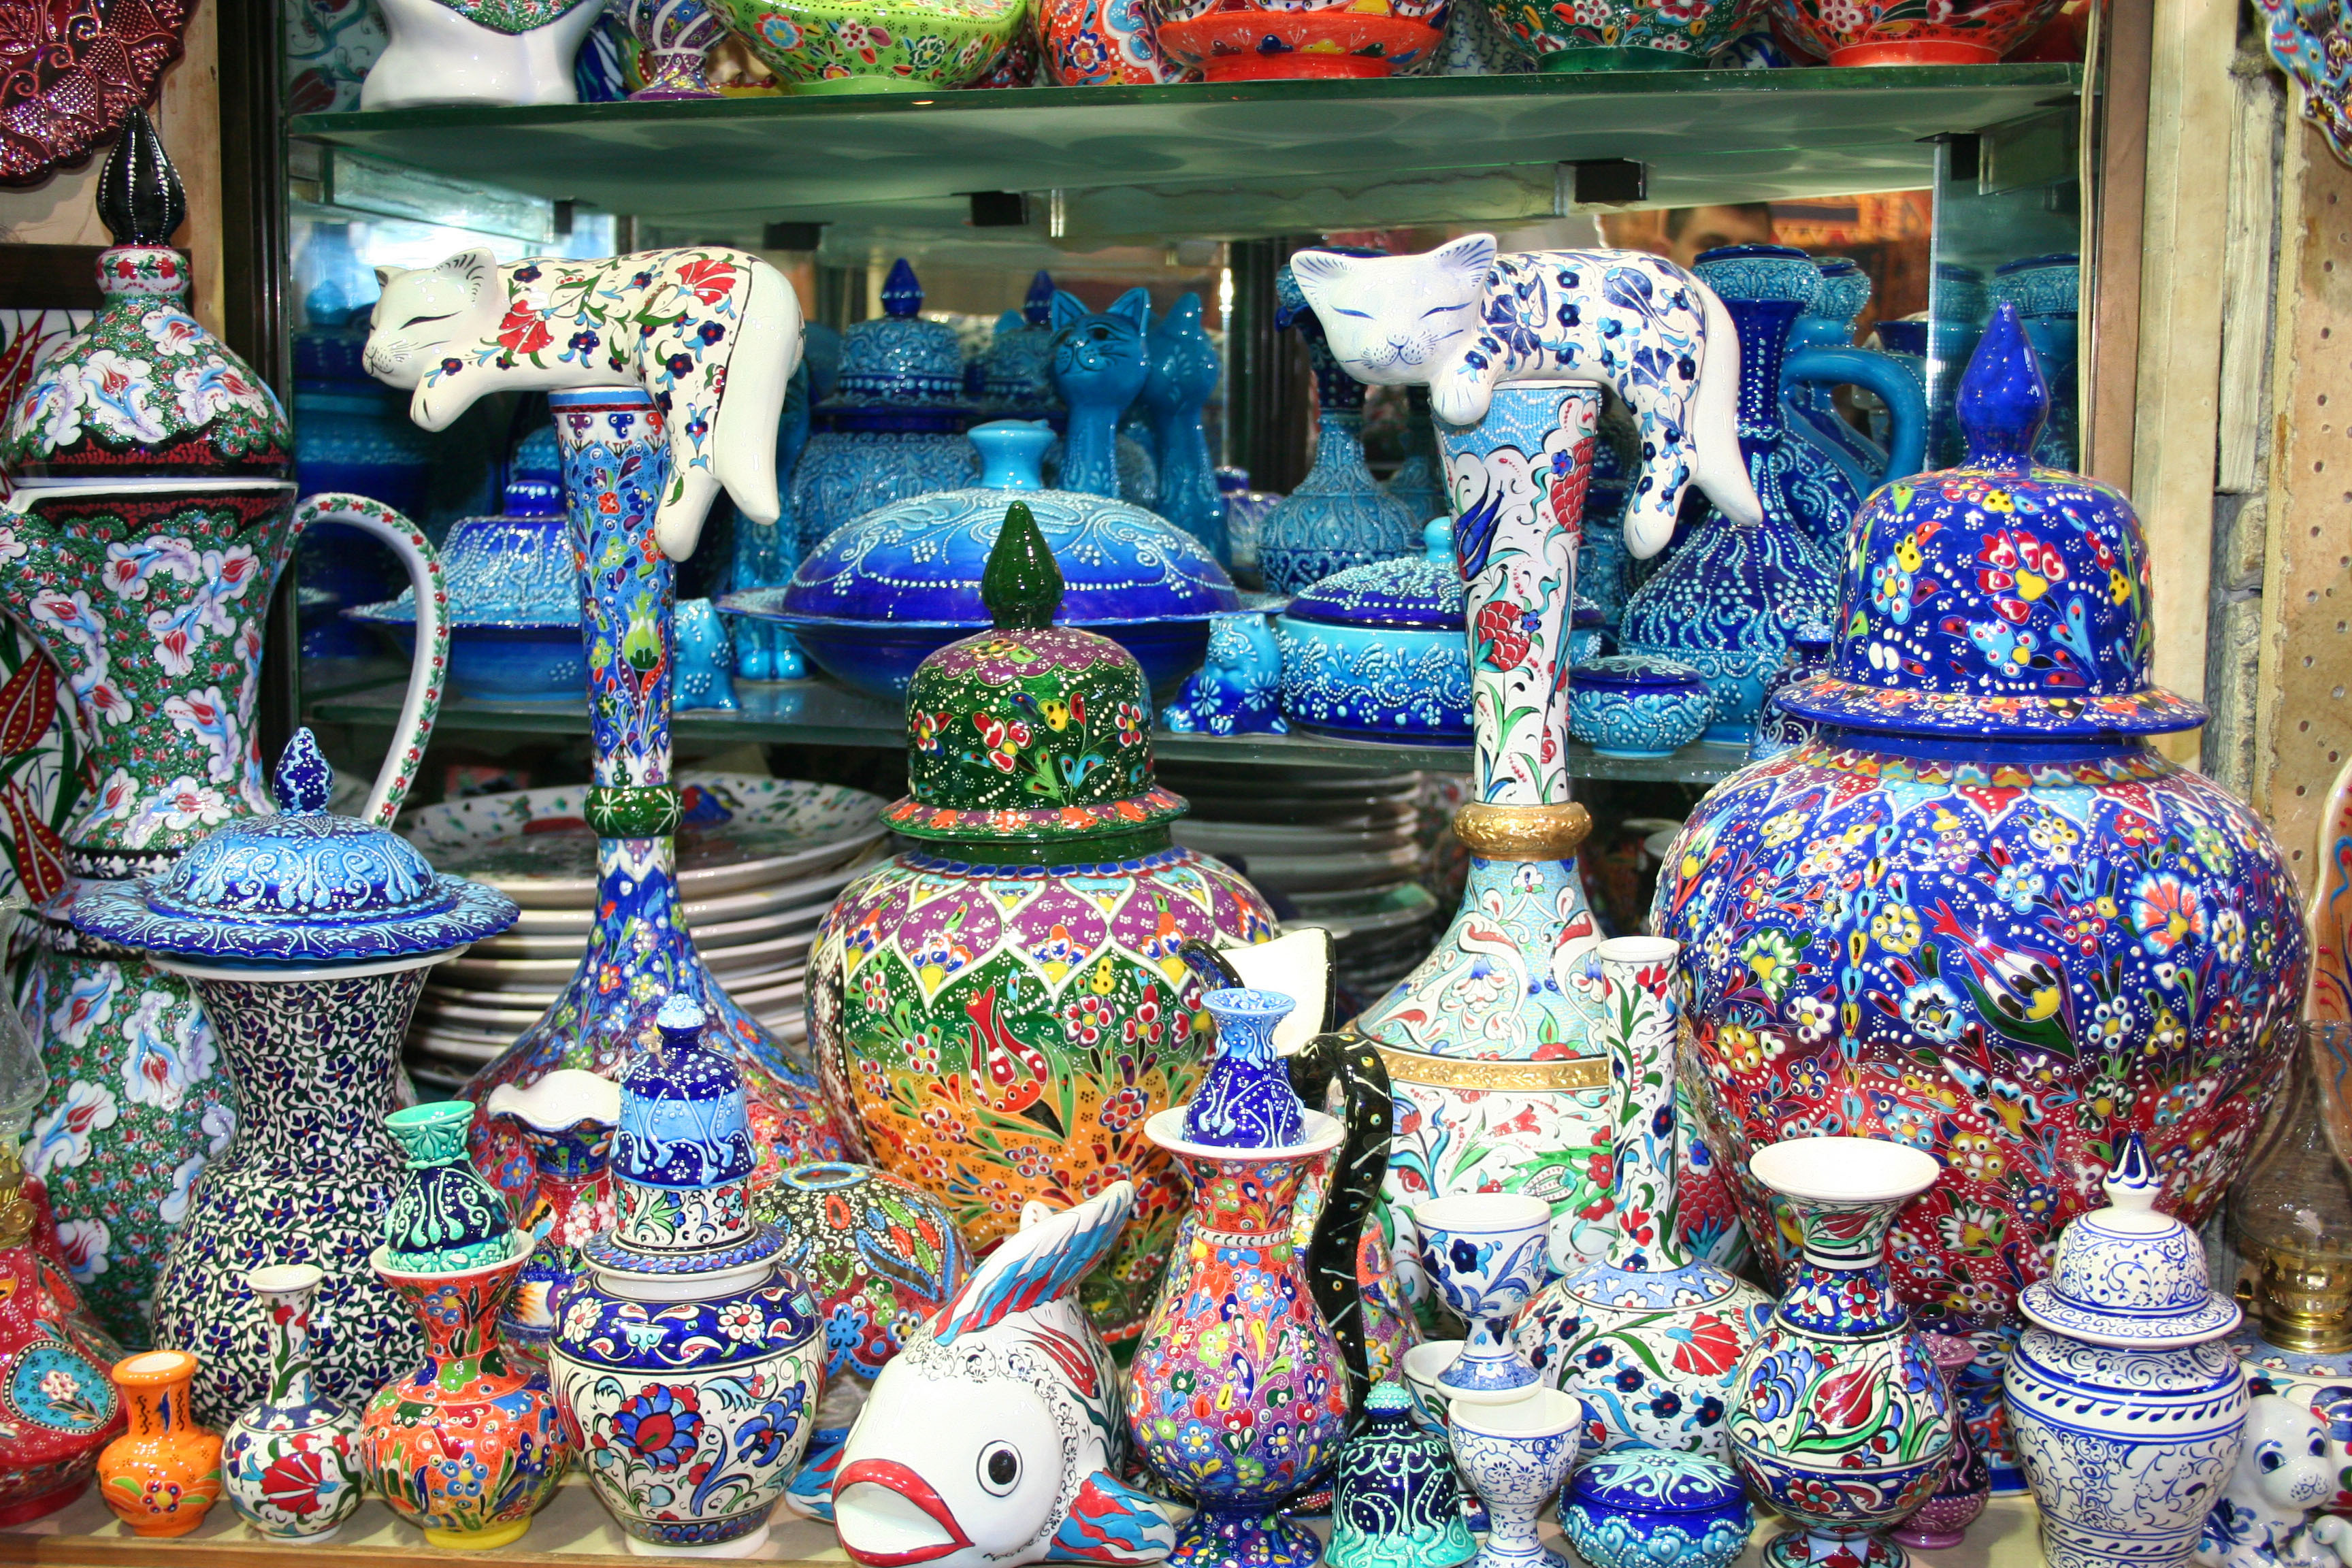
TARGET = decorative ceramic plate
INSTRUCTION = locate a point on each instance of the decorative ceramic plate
(1326, 873)
(819, 887)
(508, 974)
(1291, 839)
(1371, 911)
(70, 72)
(740, 831)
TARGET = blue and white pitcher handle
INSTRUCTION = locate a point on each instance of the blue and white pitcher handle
(430, 662)
(1907, 403)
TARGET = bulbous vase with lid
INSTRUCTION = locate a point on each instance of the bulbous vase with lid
(2125, 1404)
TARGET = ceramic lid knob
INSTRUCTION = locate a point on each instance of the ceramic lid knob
(902, 295)
(139, 194)
(1037, 305)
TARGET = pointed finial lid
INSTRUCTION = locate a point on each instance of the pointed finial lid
(902, 295)
(2002, 399)
(139, 193)
(1037, 305)
(304, 781)
(2132, 1184)
(679, 1019)
(1022, 585)
(2128, 1275)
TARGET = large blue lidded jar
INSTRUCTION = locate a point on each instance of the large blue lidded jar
(1377, 652)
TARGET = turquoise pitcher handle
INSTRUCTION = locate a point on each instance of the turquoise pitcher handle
(1906, 406)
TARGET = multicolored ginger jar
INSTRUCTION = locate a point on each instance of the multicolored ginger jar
(1002, 1010)
(1980, 913)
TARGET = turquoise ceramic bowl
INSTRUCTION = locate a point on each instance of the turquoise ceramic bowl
(1630, 705)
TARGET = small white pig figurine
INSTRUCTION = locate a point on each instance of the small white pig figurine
(2264, 1518)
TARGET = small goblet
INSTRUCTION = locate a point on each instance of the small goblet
(1485, 1252)
(1516, 1455)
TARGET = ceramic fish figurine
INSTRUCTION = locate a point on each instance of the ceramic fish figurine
(1464, 320)
(996, 1437)
(2264, 1518)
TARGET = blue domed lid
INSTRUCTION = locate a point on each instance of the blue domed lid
(1846, 289)
(1017, 371)
(506, 572)
(899, 359)
(535, 477)
(1998, 597)
(2042, 285)
(1760, 272)
(1652, 1481)
(299, 889)
(919, 561)
(685, 1117)
(1635, 672)
(1424, 591)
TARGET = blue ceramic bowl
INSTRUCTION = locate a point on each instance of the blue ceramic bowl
(1638, 1508)
(1380, 652)
(507, 664)
(1630, 705)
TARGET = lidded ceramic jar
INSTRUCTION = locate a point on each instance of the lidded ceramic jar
(1017, 371)
(2124, 1404)
(1396, 1502)
(1000, 1009)
(1376, 652)
(879, 596)
(1638, 1508)
(1632, 705)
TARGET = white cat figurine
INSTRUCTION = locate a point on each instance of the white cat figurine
(1464, 320)
(712, 334)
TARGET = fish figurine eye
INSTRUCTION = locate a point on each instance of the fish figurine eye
(999, 1469)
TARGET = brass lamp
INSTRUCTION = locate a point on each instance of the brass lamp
(2291, 1212)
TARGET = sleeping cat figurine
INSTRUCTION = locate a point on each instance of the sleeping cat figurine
(712, 334)
(1464, 320)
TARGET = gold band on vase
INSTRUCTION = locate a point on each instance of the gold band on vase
(1522, 832)
(1463, 1072)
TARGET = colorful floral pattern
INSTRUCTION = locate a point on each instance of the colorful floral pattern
(289, 1466)
(934, 44)
(1101, 43)
(56, 1407)
(1898, 32)
(1669, 27)
(880, 1254)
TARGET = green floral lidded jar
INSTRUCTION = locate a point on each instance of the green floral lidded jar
(1000, 1011)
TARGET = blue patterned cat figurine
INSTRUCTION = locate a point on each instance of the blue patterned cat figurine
(1099, 366)
(1239, 691)
(1247, 1102)
(1183, 376)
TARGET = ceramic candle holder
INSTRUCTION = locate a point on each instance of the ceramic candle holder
(1485, 1252)
(1516, 1454)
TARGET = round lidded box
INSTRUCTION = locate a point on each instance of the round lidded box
(1379, 652)
(1633, 705)
(1635, 1507)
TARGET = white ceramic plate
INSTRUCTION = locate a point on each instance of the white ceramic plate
(467, 1047)
(815, 888)
(1288, 838)
(440, 1011)
(547, 976)
(1356, 915)
(1328, 873)
(742, 832)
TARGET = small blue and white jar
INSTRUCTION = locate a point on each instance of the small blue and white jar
(1380, 652)
(1639, 1507)
(1633, 705)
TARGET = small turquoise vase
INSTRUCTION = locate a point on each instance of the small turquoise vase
(1247, 1102)
(444, 1219)
(1396, 1502)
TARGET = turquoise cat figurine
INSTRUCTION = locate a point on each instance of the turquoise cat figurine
(1182, 377)
(765, 554)
(1099, 366)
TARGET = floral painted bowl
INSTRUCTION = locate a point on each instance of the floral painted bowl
(876, 46)
(1370, 38)
(1632, 705)
(1906, 33)
(1620, 35)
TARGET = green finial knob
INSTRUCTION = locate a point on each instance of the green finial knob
(1022, 585)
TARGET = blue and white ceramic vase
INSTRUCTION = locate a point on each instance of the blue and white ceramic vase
(1395, 1503)
(1237, 690)
(1729, 599)
(1246, 1101)
(904, 580)
(308, 937)
(2124, 1403)
(1827, 466)
(690, 1359)
(2076, 917)
(1630, 705)
(1777, 728)
(1337, 516)
(1516, 1454)
(2047, 292)
(1420, 480)
(893, 428)
(1184, 369)
(290, 1464)
(1839, 1417)
(1376, 652)
(1646, 1508)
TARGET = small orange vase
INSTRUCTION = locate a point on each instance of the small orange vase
(162, 1476)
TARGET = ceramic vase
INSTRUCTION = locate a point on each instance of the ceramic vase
(2049, 843)
(1516, 1454)
(1246, 1101)
(2126, 1408)
(565, 1123)
(443, 1218)
(52, 1357)
(615, 463)
(163, 1475)
(1238, 1344)
(1639, 1507)
(1728, 600)
(1838, 1419)
(468, 1445)
(673, 37)
(1650, 1337)
(1000, 1009)
(1394, 1500)
(487, 52)
(1375, 652)
(880, 1253)
(1182, 378)
(723, 1394)
(1891, 33)
(1827, 466)
(289, 1465)
(1337, 516)
(1942, 1521)
(1486, 1253)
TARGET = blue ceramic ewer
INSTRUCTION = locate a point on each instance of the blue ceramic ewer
(1831, 467)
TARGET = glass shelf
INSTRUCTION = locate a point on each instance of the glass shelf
(817, 712)
(1225, 160)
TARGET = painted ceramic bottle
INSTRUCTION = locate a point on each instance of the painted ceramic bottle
(289, 1465)
(1000, 1010)
(1983, 857)
(2126, 1406)
(615, 466)
(1729, 599)
(1942, 1521)
(688, 1349)
(151, 519)
(1650, 1338)
(1838, 1419)
(164, 1473)
(565, 1121)
(307, 937)
(1182, 378)
(1337, 516)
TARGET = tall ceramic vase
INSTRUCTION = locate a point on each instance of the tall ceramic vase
(1839, 1418)
(1650, 1338)
(616, 465)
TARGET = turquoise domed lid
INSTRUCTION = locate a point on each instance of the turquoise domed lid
(302, 888)
(1422, 591)
(1999, 598)
(897, 359)
(514, 571)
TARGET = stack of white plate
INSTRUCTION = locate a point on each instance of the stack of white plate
(759, 862)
